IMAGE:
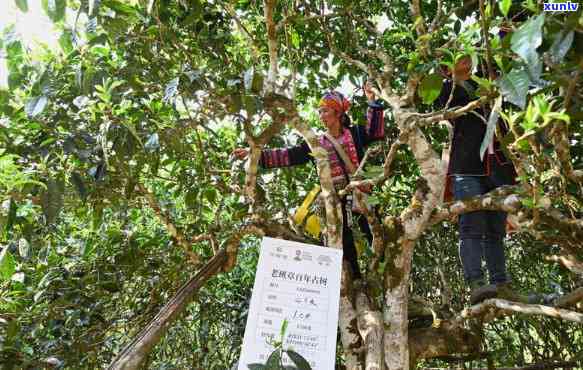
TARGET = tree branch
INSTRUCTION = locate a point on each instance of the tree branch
(370, 326)
(314, 17)
(486, 37)
(253, 44)
(269, 5)
(489, 305)
(569, 261)
(379, 180)
(135, 352)
(174, 232)
(538, 366)
(447, 114)
(570, 299)
(437, 20)
(417, 17)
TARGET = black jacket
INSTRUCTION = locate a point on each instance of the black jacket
(468, 133)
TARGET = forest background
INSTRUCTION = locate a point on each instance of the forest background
(121, 202)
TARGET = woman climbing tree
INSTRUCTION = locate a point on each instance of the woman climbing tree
(345, 144)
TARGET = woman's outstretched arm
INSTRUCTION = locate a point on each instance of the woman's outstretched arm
(280, 157)
(285, 157)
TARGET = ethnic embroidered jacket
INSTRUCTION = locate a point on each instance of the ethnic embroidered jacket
(354, 140)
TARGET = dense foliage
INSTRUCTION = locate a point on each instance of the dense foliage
(129, 127)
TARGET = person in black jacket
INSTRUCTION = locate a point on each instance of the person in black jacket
(354, 139)
(481, 233)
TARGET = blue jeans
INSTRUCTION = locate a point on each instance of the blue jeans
(481, 233)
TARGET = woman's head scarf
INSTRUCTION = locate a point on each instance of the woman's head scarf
(336, 101)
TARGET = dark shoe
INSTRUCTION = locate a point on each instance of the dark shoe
(540, 298)
(535, 298)
(420, 315)
(505, 291)
(481, 293)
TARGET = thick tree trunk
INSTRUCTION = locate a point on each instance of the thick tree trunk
(444, 340)
(370, 325)
(395, 315)
(413, 221)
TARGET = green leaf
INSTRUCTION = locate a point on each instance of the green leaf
(283, 329)
(373, 200)
(484, 83)
(55, 9)
(22, 5)
(35, 106)
(210, 194)
(535, 68)
(52, 200)
(7, 264)
(251, 104)
(505, 6)
(492, 121)
(561, 46)
(273, 360)
(93, 7)
(12, 208)
(528, 202)
(488, 11)
(256, 366)
(557, 116)
(295, 39)
(119, 7)
(66, 41)
(23, 248)
(430, 88)
(373, 171)
(514, 87)
(77, 180)
(528, 38)
(298, 360)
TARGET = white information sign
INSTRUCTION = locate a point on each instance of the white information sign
(299, 283)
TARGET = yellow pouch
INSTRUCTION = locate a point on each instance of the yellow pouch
(302, 212)
(313, 226)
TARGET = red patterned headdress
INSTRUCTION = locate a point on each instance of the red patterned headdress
(336, 101)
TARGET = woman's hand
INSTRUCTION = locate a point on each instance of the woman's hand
(241, 153)
(370, 95)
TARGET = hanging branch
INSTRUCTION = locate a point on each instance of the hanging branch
(422, 119)
(133, 354)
